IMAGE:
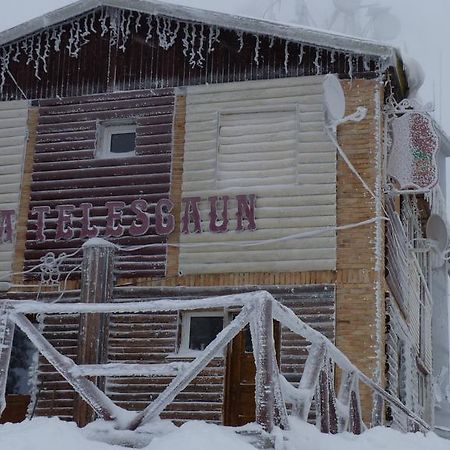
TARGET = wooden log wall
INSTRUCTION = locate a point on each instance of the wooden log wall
(153, 338)
(66, 171)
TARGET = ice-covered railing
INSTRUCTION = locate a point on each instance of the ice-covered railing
(273, 391)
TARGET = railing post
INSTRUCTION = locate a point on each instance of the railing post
(261, 328)
(309, 379)
(6, 341)
(97, 282)
(343, 400)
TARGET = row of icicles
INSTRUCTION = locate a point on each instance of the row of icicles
(121, 24)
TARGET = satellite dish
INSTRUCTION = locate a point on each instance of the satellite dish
(436, 230)
(334, 99)
(347, 6)
(385, 27)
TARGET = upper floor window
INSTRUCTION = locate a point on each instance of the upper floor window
(116, 140)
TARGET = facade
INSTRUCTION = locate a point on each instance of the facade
(199, 145)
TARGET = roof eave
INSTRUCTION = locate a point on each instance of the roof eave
(246, 24)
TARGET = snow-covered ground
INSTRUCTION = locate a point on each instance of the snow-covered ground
(53, 434)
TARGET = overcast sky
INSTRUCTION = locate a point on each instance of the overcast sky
(424, 31)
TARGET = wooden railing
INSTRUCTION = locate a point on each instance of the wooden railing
(274, 394)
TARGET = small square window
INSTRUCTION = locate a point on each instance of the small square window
(123, 142)
(116, 140)
(199, 329)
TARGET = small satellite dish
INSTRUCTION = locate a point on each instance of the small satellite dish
(347, 6)
(334, 99)
(385, 27)
(436, 230)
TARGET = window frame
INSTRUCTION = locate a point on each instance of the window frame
(105, 130)
(183, 348)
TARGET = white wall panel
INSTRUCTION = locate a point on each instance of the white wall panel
(13, 134)
(264, 138)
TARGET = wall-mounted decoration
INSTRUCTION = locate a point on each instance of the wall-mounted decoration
(412, 163)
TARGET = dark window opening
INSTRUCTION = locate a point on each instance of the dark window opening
(123, 142)
(203, 330)
(22, 355)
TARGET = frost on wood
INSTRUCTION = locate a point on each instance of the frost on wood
(120, 26)
(6, 339)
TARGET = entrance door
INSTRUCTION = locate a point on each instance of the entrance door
(240, 378)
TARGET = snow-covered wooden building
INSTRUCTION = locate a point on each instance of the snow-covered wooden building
(216, 155)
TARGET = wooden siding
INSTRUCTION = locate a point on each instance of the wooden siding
(13, 134)
(152, 338)
(145, 64)
(232, 147)
(67, 172)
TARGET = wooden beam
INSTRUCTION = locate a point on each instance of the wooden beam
(6, 342)
(91, 394)
(180, 382)
(261, 328)
(96, 287)
(309, 380)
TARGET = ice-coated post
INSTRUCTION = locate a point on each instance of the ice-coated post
(97, 282)
(264, 352)
(309, 380)
(6, 341)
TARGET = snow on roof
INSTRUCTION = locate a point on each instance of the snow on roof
(246, 24)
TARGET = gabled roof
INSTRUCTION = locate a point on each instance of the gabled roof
(246, 24)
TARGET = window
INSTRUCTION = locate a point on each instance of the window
(116, 140)
(199, 329)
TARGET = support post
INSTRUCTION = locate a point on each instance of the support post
(261, 328)
(97, 282)
(6, 341)
(343, 400)
(311, 371)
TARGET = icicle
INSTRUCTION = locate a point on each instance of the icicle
(214, 33)
(240, 36)
(84, 34)
(185, 39)
(92, 26)
(56, 37)
(317, 62)
(114, 28)
(166, 36)
(200, 46)
(272, 41)
(38, 56)
(149, 36)
(29, 49)
(46, 52)
(366, 63)
(300, 54)
(286, 56)
(333, 57)
(125, 24)
(192, 54)
(350, 66)
(74, 45)
(4, 66)
(256, 58)
(102, 20)
(17, 53)
(137, 22)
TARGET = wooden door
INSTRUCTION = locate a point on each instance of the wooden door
(239, 406)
